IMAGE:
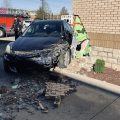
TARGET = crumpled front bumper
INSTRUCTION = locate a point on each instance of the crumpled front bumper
(44, 61)
(26, 63)
(46, 58)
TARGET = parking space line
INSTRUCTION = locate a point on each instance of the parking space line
(104, 108)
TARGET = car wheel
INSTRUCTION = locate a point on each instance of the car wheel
(6, 67)
(2, 33)
(64, 59)
(46, 69)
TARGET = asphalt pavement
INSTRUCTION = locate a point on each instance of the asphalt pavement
(88, 103)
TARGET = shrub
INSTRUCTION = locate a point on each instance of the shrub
(99, 66)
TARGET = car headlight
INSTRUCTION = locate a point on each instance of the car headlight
(8, 49)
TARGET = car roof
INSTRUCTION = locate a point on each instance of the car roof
(48, 21)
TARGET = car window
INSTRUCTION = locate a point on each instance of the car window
(44, 29)
(29, 31)
(68, 27)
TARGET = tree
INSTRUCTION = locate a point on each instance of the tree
(43, 12)
(39, 13)
(64, 11)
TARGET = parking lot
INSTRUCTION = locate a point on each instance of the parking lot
(87, 103)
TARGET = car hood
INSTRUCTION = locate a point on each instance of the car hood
(34, 43)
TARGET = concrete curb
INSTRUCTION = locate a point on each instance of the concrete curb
(90, 81)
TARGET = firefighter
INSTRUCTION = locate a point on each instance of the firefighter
(20, 27)
(81, 37)
(17, 27)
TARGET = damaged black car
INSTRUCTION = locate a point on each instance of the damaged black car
(44, 44)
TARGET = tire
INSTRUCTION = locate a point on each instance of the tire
(2, 32)
(46, 69)
(64, 59)
(6, 67)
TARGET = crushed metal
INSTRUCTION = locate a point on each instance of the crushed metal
(47, 57)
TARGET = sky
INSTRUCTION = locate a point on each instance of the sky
(55, 5)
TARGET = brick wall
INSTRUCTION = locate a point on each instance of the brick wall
(101, 19)
(99, 16)
(109, 55)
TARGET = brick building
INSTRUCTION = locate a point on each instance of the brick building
(101, 19)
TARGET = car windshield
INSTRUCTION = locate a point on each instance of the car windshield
(44, 29)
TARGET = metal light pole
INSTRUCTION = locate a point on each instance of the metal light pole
(43, 14)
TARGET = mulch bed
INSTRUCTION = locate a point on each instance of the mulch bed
(109, 75)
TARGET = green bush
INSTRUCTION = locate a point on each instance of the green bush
(99, 66)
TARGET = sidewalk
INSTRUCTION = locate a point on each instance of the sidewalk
(12, 38)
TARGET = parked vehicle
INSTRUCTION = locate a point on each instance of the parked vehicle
(26, 23)
(43, 44)
(6, 22)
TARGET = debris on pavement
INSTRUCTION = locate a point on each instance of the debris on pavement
(15, 87)
(3, 89)
(44, 109)
(57, 101)
(5, 117)
(34, 94)
(57, 91)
